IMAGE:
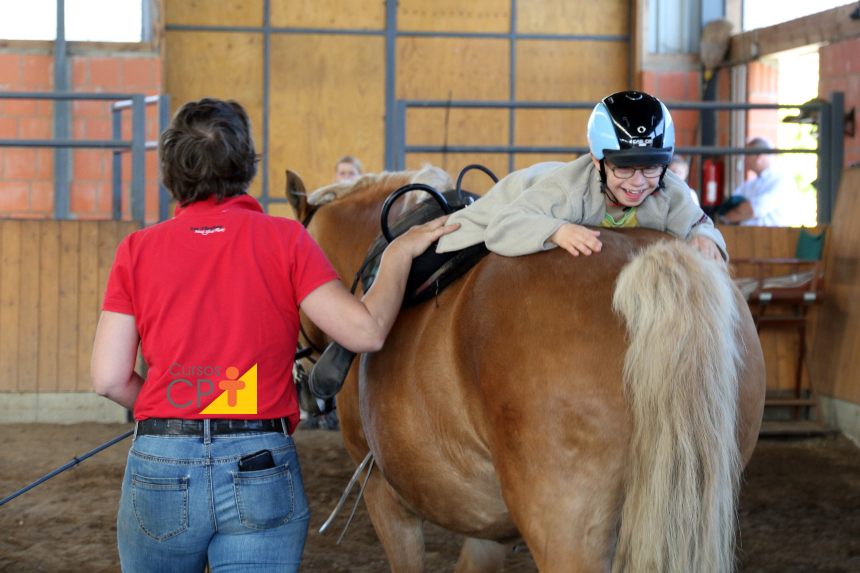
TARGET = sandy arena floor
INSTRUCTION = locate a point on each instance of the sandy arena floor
(799, 509)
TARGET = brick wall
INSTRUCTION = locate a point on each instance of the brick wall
(26, 175)
(762, 87)
(839, 71)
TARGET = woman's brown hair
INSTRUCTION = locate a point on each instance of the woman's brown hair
(208, 150)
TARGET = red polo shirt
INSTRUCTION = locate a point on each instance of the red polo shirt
(215, 293)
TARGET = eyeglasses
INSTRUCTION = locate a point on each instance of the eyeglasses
(628, 172)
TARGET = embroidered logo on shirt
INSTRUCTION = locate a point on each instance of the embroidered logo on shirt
(208, 230)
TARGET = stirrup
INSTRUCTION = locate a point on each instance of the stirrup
(326, 378)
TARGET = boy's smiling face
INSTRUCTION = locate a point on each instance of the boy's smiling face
(629, 192)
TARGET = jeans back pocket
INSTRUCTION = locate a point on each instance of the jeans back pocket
(265, 498)
(160, 505)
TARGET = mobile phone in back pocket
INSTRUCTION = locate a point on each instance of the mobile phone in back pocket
(261, 460)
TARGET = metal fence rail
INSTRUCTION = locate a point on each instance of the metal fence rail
(830, 148)
(137, 145)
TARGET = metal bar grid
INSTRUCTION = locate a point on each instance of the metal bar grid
(138, 104)
(384, 32)
(830, 147)
(63, 144)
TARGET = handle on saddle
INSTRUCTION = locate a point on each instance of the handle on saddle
(326, 378)
(467, 168)
(386, 207)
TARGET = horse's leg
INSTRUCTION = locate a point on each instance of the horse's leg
(398, 527)
(481, 556)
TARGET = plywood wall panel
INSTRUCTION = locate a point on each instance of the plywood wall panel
(214, 12)
(552, 70)
(460, 68)
(837, 344)
(225, 65)
(49, 304)
(334, 14)
(88, 296)
(524, 160)
(551, 127)
(327, 100)
(454, 15)
(67, 343)
(28, 326)
(605, 18)
(10, 302)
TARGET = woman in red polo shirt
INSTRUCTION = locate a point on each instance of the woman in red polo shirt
(213, 298)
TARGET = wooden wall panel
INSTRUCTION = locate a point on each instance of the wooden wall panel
(454, 15)
(49, 306)
(337, 14)
(28, 327)
(327, 100)
(570, 71)
(226, 65)
(214, 12)
(455, 68)
(52, 279)
(837, 345)
(10, 303)
(608, 17)
(453, 163)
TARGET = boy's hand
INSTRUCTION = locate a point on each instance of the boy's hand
(576, 239)
(708, 248)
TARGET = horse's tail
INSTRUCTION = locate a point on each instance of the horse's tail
(681, 380)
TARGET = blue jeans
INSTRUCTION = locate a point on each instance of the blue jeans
(184, 502)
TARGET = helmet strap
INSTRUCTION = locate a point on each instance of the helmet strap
(605, 190)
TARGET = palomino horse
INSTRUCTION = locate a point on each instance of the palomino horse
(599, 408)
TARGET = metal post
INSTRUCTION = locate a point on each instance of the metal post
(62, 119)
(513, 87)
(824, 182)
(391, 114)
(138, 158)
(267, 46)
(399, 147)
(837, 145)
(116, 165)
(163, 122)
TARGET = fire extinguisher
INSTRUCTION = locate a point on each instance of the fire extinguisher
(712, 182)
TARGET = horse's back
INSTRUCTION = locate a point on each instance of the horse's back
(516, 366)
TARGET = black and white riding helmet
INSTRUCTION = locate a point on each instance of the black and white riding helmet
(631, 128)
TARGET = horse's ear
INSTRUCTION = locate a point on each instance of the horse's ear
(296, 194)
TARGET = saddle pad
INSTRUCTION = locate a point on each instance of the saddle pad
(431, 272)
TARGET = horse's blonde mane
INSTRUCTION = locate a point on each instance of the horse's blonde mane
(428, 175)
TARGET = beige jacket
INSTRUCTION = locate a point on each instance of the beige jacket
(522, 211)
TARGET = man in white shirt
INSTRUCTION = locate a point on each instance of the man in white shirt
(769, 197)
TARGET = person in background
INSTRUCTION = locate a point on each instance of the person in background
(766, 200)
(212, 296)
(680, 166)
(347, 169)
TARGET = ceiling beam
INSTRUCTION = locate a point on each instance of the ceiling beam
(824, 27)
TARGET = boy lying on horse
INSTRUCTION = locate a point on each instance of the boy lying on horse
(623, 183)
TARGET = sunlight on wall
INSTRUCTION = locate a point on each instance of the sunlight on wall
(798, 83)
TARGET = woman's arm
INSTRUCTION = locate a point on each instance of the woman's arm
(362, 325)
(114, 356)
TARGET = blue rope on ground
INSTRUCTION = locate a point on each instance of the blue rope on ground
(74, 462)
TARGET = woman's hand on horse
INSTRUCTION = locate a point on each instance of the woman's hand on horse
(416, 240)
(576, 239)
(709, 249)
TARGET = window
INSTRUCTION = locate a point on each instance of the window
(674, 26)
(86, 20)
